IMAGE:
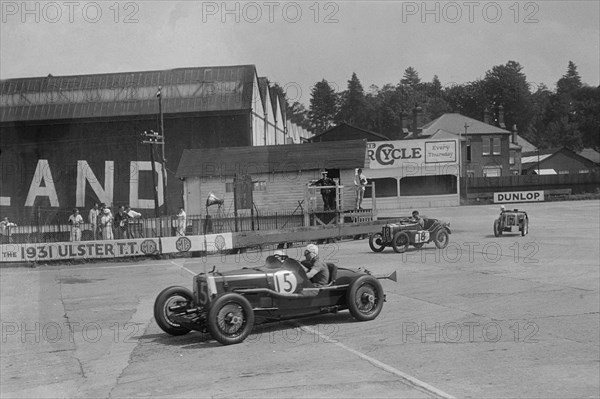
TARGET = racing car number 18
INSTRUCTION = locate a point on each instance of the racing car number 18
(422, 236)
(285, 281)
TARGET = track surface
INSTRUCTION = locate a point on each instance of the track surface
(487, 317)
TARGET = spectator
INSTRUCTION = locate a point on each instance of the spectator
(133, 227)
(181, 222)
(328, 194)
(121, 223)
(106, 223)
(360, 183)
(93, 217)
(317, 270)
(5, 231)
(76, 221)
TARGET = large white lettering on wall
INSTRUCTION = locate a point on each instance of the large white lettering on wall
(395, 154)
(85, 174)
(42, 185)
(135, 167)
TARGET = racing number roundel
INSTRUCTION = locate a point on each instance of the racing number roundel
(285, 281)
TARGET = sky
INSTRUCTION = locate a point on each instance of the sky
(298, 43)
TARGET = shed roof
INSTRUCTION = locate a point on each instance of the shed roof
(197, 89)
(367, 134)
(229, 161)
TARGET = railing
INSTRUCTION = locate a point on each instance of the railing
(160, 227)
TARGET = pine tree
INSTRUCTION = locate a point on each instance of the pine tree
(411, 77)
(353, 104)
(570, 81)
(323, 106)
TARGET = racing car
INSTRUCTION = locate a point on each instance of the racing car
(229, 304)
(407, 232)
(509, 219)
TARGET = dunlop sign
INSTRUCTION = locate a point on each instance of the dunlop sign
(519, 196)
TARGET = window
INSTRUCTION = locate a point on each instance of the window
(492, 171)
(496, 145)
(584, 171)
(563, 172)
(511, 158)
(385, 187)
(428, 185)
(469, 151)
(256, 186)
(486, 146)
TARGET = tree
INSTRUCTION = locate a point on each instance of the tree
(506, 85)
(353, 104)
(570, 82)
(323, 106)
(411, 77)
(295, 112)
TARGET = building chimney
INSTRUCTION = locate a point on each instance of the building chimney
(514, 134)
(501, 117)
(486, 115)
(416, 119)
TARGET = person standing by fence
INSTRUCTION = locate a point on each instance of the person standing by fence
(134, 225)
(75, 220)
(93, 220)
(360, 183)
(5, 233)
(106, 222)
(122, 223)
(181, 222)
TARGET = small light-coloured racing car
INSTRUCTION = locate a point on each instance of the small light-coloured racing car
(228, 304)
(509, 219)
(400, 235)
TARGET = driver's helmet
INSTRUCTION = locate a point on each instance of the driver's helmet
(502, 208)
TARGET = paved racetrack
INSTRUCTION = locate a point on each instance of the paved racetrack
(487, 317)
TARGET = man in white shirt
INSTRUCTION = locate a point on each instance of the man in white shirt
(76, 221)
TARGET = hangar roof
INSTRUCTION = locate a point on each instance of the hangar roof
(198, 89)
(228, 161)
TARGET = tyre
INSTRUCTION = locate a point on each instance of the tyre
(376, 242)
(419, 245)
(400, 242)
(168, 299)
(230, 318)
(525, 228)
(365, 298)
(497, 230)
(441, 238)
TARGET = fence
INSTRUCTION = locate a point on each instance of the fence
(578, 183)
(161, 227)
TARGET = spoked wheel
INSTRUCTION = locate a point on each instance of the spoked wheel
(169, 302)
(376, 242)
(365, 298)
(525, 228)
(497, 230)
(441, 239)
(400, 242)
(230, 318)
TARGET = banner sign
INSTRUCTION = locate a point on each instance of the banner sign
(219, 242)
(78, 250)
(519, 196)
(393, 154)
(182, 244)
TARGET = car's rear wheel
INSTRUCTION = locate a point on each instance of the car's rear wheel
(376, 242)
(525, 228)
(400, 242)
(170, 301)
(365, 298)
(441, 238)
(497, 229)
(230, 318)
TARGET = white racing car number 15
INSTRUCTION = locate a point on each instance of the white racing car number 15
(285, 281)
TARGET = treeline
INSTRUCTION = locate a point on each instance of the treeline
(567, 116)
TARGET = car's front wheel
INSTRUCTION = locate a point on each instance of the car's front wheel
(170, 301)
(497, 229)
(365, 298)
(230, 318)
(441, 239)
(400, 242)
(376, 242)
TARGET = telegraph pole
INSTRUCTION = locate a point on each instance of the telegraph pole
(151, 137)
(466, 172)
(164, 159)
